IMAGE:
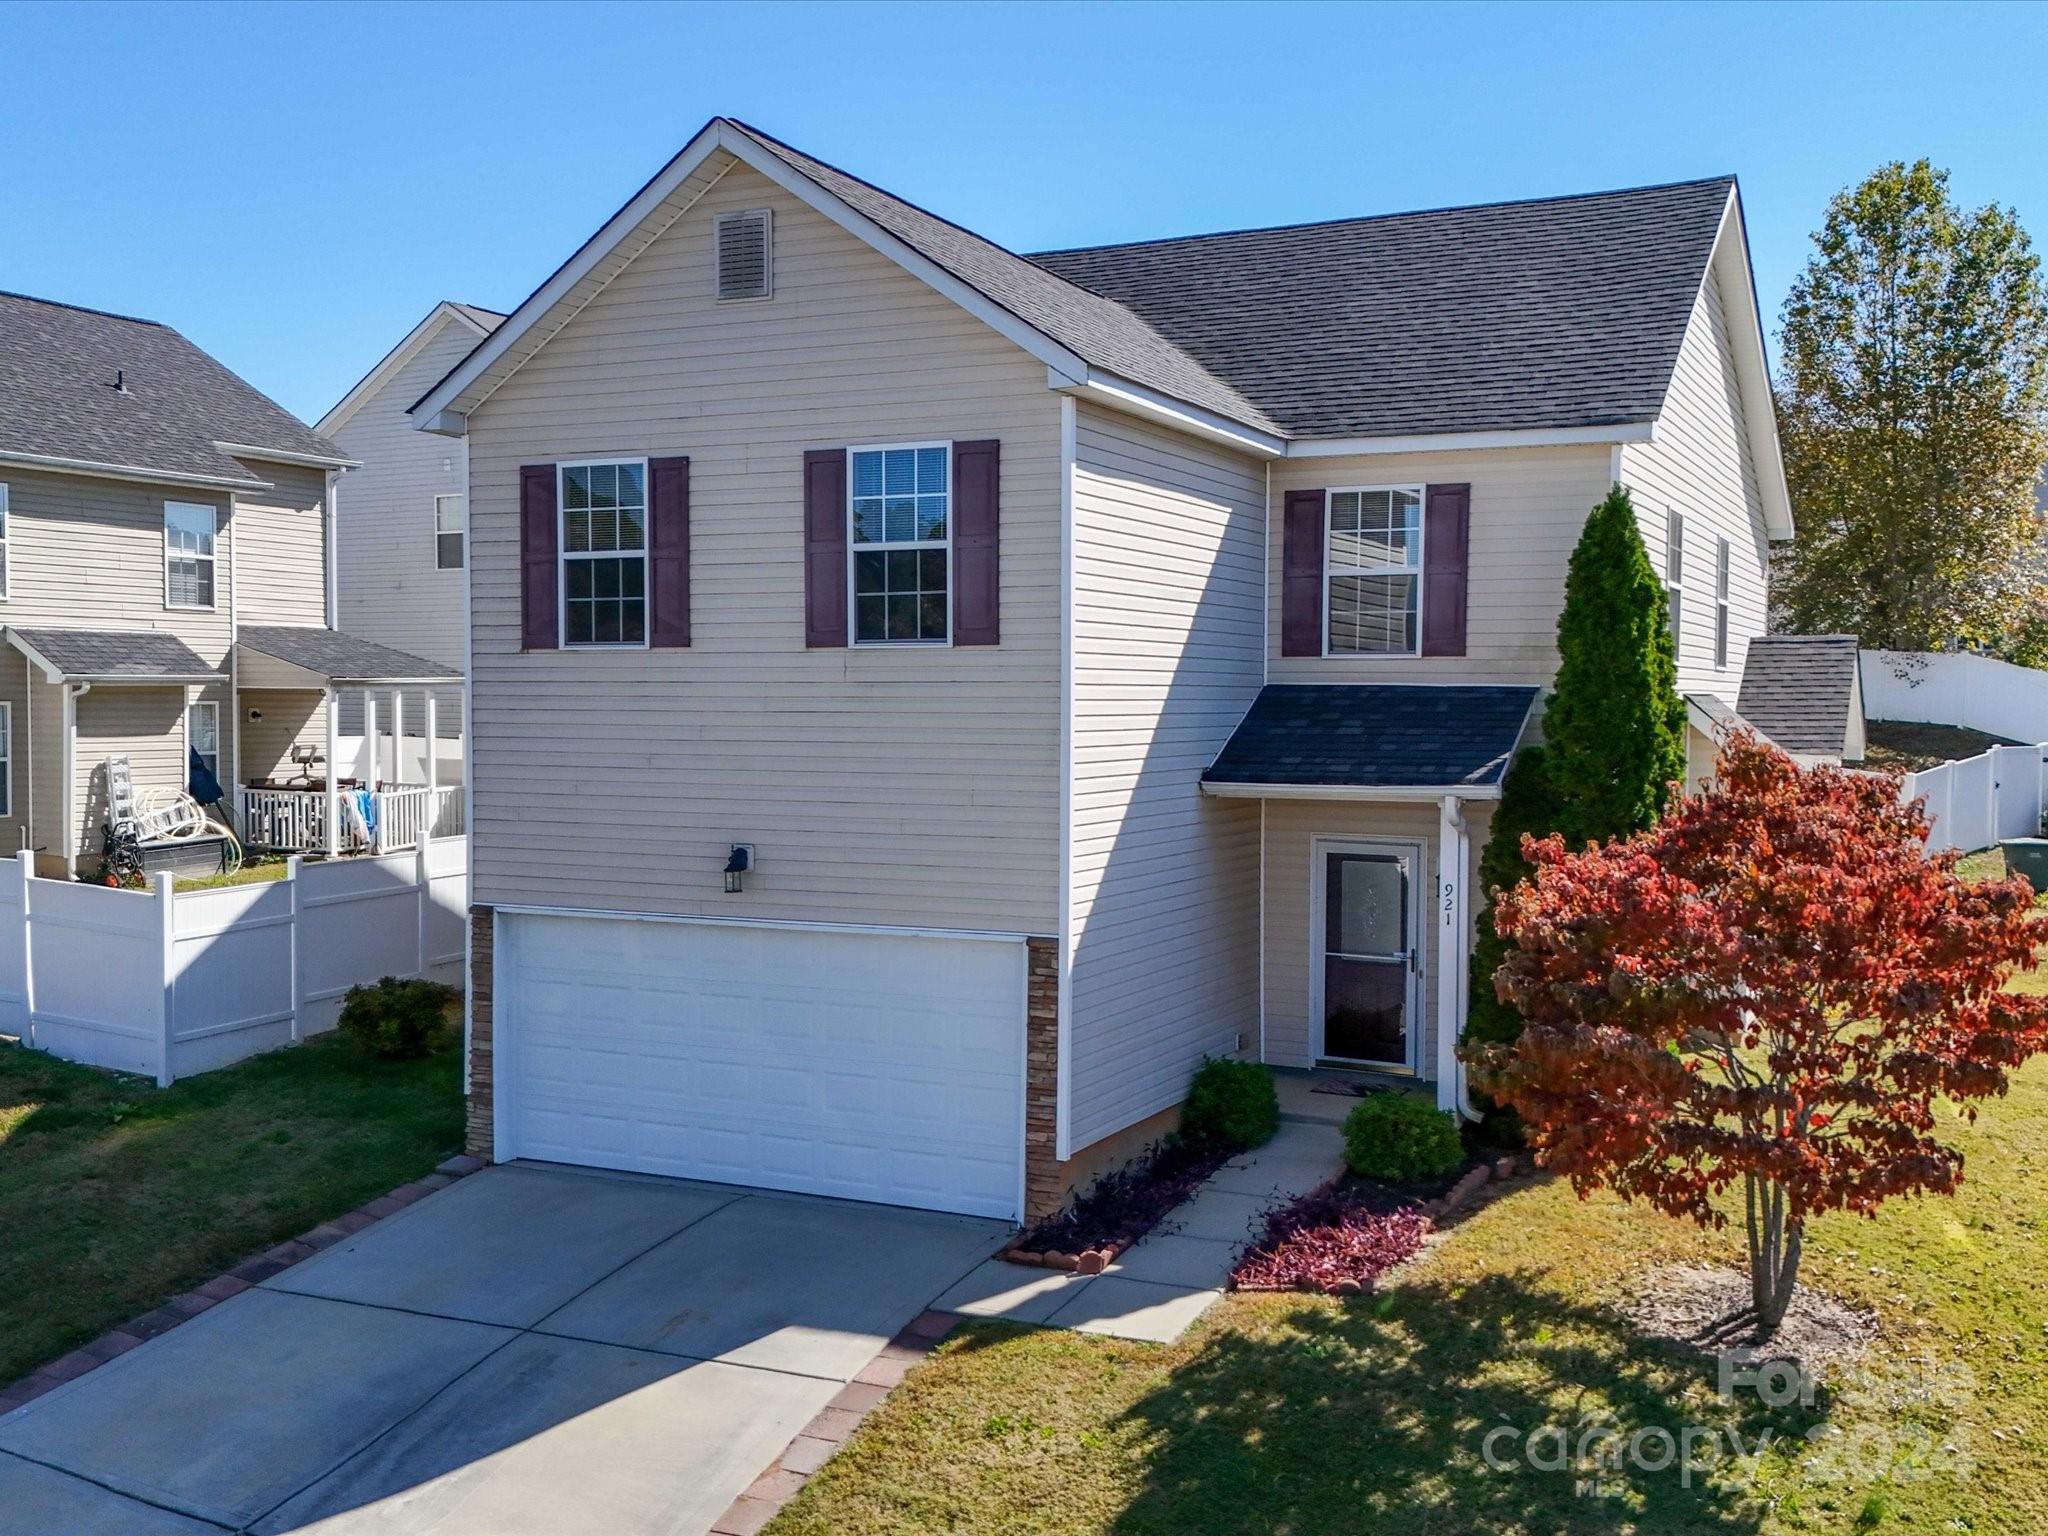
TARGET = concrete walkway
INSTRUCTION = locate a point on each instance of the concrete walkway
(1167, 1279)
(532, 1350)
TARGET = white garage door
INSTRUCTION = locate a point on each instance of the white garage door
(870, 1067)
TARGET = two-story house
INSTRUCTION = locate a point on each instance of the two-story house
(164, 587)
(401, 519)
(925, 698)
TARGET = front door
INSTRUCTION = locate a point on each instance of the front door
(1366, 953)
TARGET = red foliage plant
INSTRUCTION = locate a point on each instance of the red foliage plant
(1330, 1241)
(1774, 983)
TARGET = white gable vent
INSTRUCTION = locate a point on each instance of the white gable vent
(743, 255)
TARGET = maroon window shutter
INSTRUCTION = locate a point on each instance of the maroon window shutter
(668, 553)
(825, 547)
(1446, 538)
(539, 627)
(977, 574)
(1301, 574)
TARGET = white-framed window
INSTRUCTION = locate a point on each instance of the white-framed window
(603, 543)
(1721, 557)
(1372, 571)
(188, 554)
(5, 531)
(6, 758)
(745, 242)
(451, 523)
(202, 736)
(1674, 570)
(899, 518)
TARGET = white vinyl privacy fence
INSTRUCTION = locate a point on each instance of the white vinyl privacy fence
(168, 983)
(1979, 693)
(1975, 801)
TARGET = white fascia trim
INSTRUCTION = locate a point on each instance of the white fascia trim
(98, 471)
(50, 671)
(1391, 792)
(717, 137)
(1752, 373)
(878, 930)
(1106, 389)
(1462, 442)
(280, 456)
(415, 340)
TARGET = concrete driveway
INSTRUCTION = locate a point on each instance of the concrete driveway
(533, 1349)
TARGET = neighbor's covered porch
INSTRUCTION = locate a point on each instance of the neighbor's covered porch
(1374, 803)
(305, 792)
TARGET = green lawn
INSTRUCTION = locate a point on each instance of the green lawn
(257, 869)
(115, 1195)
(1296, 1416)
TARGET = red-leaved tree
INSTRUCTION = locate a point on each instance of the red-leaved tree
(1774, 984)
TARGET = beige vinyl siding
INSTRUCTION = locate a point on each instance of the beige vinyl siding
(291, 717)
(280, 539)
(1168, 626)
(45, 756)
(388, 587)
(14, 826)
(891, 785)
(1291, 828)
(1528, 508)
(147, 725)
(1700, 465)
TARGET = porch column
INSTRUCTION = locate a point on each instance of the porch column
(367, 761)
(433, 778)
(1454, 948)
(333, 770)
(397, 737)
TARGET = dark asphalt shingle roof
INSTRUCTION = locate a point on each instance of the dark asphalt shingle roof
(1561, 312)
(1799, 689)
(340, 657)
(1375, 735)
(105, 654)
(58, 367)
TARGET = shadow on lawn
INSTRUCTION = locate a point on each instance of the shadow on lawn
(1373, 1415)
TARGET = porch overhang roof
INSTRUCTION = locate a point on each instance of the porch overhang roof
(146, 658)
(298, 655)
(1373, 741)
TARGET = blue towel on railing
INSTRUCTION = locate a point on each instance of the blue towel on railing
(364, 806)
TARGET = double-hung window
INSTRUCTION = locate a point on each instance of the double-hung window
(202, 735)
(188, 555)
(1674, 570)
(901, 518)
(604, 553)
(6, 757)
(5, 530)
(1372, 571)
(1721, 554)
(451, 520)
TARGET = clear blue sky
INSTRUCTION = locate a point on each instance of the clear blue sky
(292, 186)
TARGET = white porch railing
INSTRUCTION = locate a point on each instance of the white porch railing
(295, 820)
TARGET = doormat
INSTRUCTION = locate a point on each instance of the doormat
(1342, 1089)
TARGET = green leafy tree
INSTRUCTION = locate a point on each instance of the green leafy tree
(1913, 408)
(1616, 725)
(1528, 803)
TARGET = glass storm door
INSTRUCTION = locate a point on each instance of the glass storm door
(1368, 956)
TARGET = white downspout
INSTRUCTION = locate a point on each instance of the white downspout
(73, 692)
(329, 596)
(1454, 955)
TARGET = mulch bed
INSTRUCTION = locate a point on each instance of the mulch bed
(1680, 1303)
(1118, 1209)
(1336, 1240)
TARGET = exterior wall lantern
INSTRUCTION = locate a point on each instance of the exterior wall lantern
(737, 863)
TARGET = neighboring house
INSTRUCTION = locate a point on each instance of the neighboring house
(162, 561)
(1805, 692)
(401, 518)
(926, 698)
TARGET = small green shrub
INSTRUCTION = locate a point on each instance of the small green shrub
(1400, 1138)
(395, 1020)
(1230, 1104)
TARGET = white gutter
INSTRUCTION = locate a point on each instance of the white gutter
(1396, 792)
(280, 456)
(98, 471)
(1106, 389)
(1460, 442)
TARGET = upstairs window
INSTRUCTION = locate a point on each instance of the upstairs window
(1721, 554)
(1372, 565)
(451, 520)
(604, 553)
(745, 243)
(6, 757)
(1674, 571)
(188, 555)
(901, 512)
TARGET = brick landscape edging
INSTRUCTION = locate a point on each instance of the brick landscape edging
(274, 1260)
(818, 1440)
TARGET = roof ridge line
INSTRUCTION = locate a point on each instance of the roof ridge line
(85, 309)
